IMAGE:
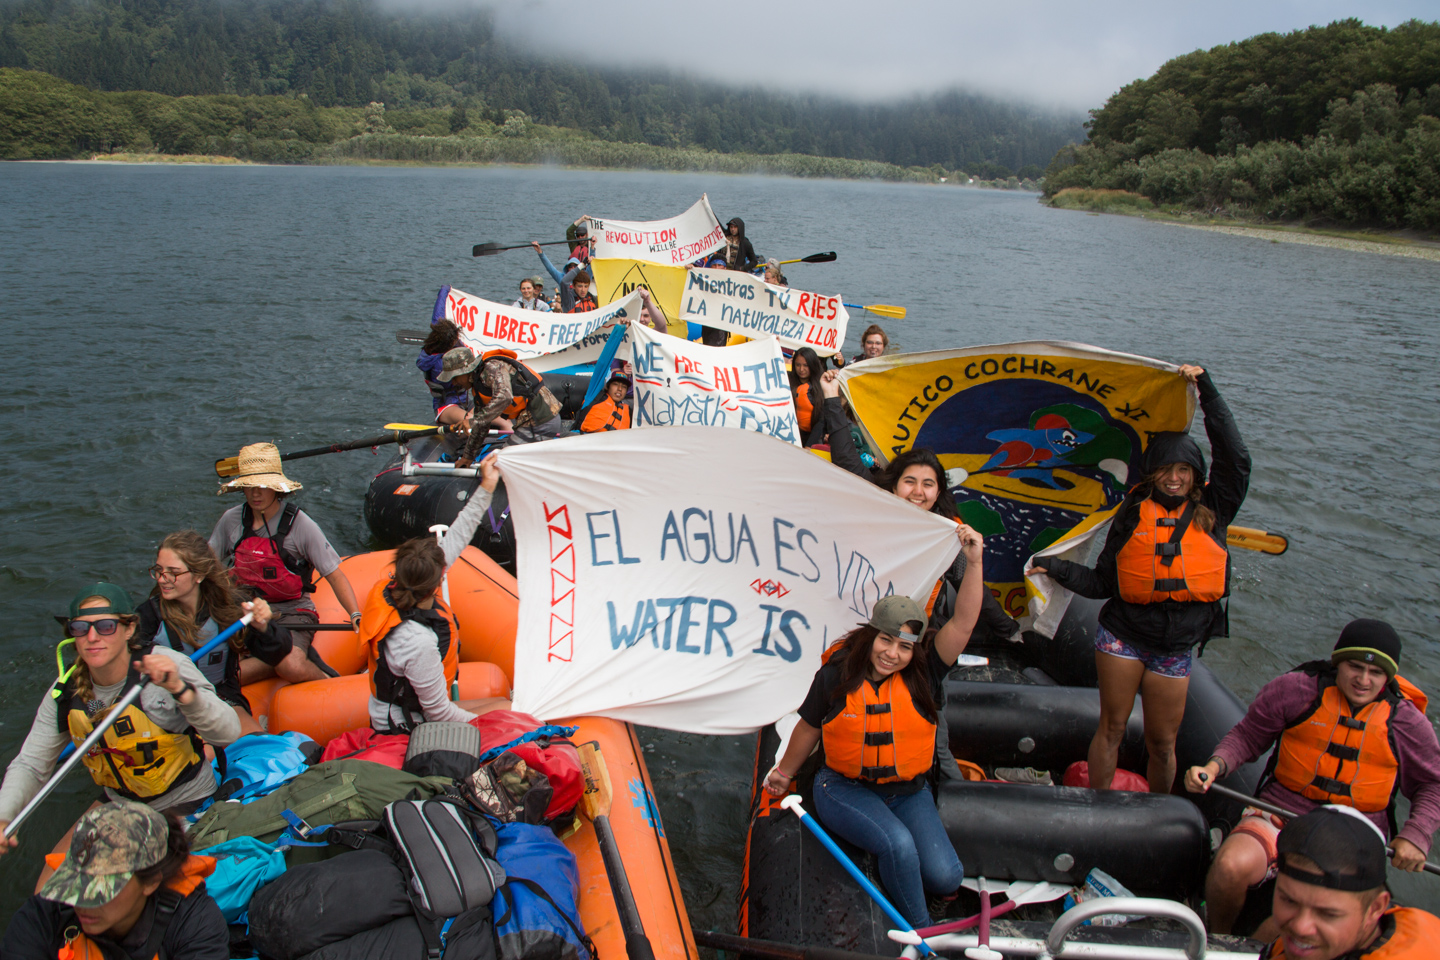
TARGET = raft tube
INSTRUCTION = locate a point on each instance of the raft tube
(485, 601)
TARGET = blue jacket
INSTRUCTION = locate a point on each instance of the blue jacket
(442, 394)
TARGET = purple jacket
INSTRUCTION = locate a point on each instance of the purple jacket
(1289, 696)
(442, 393)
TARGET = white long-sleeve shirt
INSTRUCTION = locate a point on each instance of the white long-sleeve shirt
(412, 649)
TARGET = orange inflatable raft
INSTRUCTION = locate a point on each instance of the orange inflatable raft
(485, 602)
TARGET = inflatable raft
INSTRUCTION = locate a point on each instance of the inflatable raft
(1010, 713)
(484, 599)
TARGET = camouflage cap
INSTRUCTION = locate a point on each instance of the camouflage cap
(110, 843)
(457, 361)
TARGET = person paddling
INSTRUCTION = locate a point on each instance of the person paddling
(275, 549)
(1346, 730)
(1164, 573)
(504, 387)
(872, 789)
(154, 752)
(127, 886)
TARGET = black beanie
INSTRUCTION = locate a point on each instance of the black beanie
(1371, 641)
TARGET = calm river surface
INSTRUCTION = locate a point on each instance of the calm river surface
(155, 318)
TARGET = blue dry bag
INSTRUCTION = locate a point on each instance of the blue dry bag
(535, 911)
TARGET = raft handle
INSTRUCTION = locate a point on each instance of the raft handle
(412, 469)
(1143, 906)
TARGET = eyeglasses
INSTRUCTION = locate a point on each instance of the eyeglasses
(80, 628)
(160, 575)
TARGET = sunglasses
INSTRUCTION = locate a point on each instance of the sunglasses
(80, 628)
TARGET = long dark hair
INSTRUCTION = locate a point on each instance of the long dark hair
(177, 851)
(443, 336)
(944, 505)
(812, 363)
(419, 568)
(854, 656)
(1204, 516)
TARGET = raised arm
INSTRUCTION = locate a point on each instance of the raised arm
(951, 639)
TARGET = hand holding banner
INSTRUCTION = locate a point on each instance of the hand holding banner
(700, 606)
(740, 303)
(486, 326)
(681, 383)
(675, 241)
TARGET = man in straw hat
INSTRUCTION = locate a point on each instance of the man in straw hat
(1348, 730)
(127, 887)
(275, 549)
(1330, 897)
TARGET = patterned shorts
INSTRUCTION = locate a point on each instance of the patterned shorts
(1265, 828)
(1107, 642)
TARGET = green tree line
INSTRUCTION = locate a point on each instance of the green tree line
(1339, 124)
(348, 53)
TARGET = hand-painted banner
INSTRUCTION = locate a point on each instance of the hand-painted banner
(679, 383)
(704, 606)
(493, 326)
(675, 241)
(740, 303)
(617, 279)
(1039, 441)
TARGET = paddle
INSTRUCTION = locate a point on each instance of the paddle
(411, 336)
(813, 258)
(792, 803)
(744, 946)
(116, 710)
(490, 249)
(1282, 812)
(1262, 540)
(597, 800)
(230, 466)
(881, 309)
(601, 375)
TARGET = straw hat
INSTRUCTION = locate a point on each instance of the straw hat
(259, 466)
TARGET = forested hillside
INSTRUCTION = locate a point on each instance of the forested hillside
(1338, 123)
(349, 53)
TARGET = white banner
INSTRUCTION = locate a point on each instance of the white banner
(676, 241)
(735, 301)
(575, 337)
(701, 605)
(679, 383)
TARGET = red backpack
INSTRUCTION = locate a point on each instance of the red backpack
(554, 756)
(260, 564)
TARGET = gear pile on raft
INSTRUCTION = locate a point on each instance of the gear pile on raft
(959, 597)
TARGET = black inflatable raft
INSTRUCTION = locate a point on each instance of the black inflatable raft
(1013, 712)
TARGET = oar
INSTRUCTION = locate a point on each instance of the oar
(597, 801)
(1262, 540)
(490, 249)
(95, 735)
(744, 946)
(230, 466)
(792, 803)
(1282, 812)
(881, 309)
(411, 336)
(813, 258)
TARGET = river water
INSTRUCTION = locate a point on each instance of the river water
(156, 318)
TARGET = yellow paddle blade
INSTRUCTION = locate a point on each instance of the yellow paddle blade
(1261, 540)
(409, 426)
(886, 310)
(598, 796)
(227, 467)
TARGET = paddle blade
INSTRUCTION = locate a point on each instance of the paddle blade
(886, 310)
(227, 467)
(598, 796)
(1259, 540)
(411, 336)
(410, 426)
(485, 249)
(820, 258)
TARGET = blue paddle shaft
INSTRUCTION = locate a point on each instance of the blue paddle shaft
(602, 365)
(814, 827)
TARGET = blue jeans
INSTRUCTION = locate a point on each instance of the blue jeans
(903, 832)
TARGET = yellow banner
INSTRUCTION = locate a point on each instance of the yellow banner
(617, 279)
(1040, 440)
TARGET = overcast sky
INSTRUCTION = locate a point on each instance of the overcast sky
(1067, 54)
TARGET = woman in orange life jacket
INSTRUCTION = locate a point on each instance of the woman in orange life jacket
(153, 753)
(1163, 598)
(275, 549)
(805, 373)
(127, 887)
(874, 706)
(195, 598)
(412, 638)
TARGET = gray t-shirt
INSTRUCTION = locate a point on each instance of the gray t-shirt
(305, 543)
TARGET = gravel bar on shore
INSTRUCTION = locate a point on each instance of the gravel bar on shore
(1415, 251)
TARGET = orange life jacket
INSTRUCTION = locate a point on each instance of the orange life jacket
(191, 875)
(377, 619)
(525, 386)
(1415, 935)
(1332, 754)
(879, 736)
(1149, 568)
(804, 409)
(584, 304)
(606, 415)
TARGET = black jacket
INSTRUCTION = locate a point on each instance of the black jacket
(1169, 627)
(744, 252)
(270, 646)
(196, 932)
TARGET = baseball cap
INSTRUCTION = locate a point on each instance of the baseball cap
(109, 845)
(455, 362)
(1371, 641)
(618, 376)
(1341, 841)
(894, 613)
(118, 599)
